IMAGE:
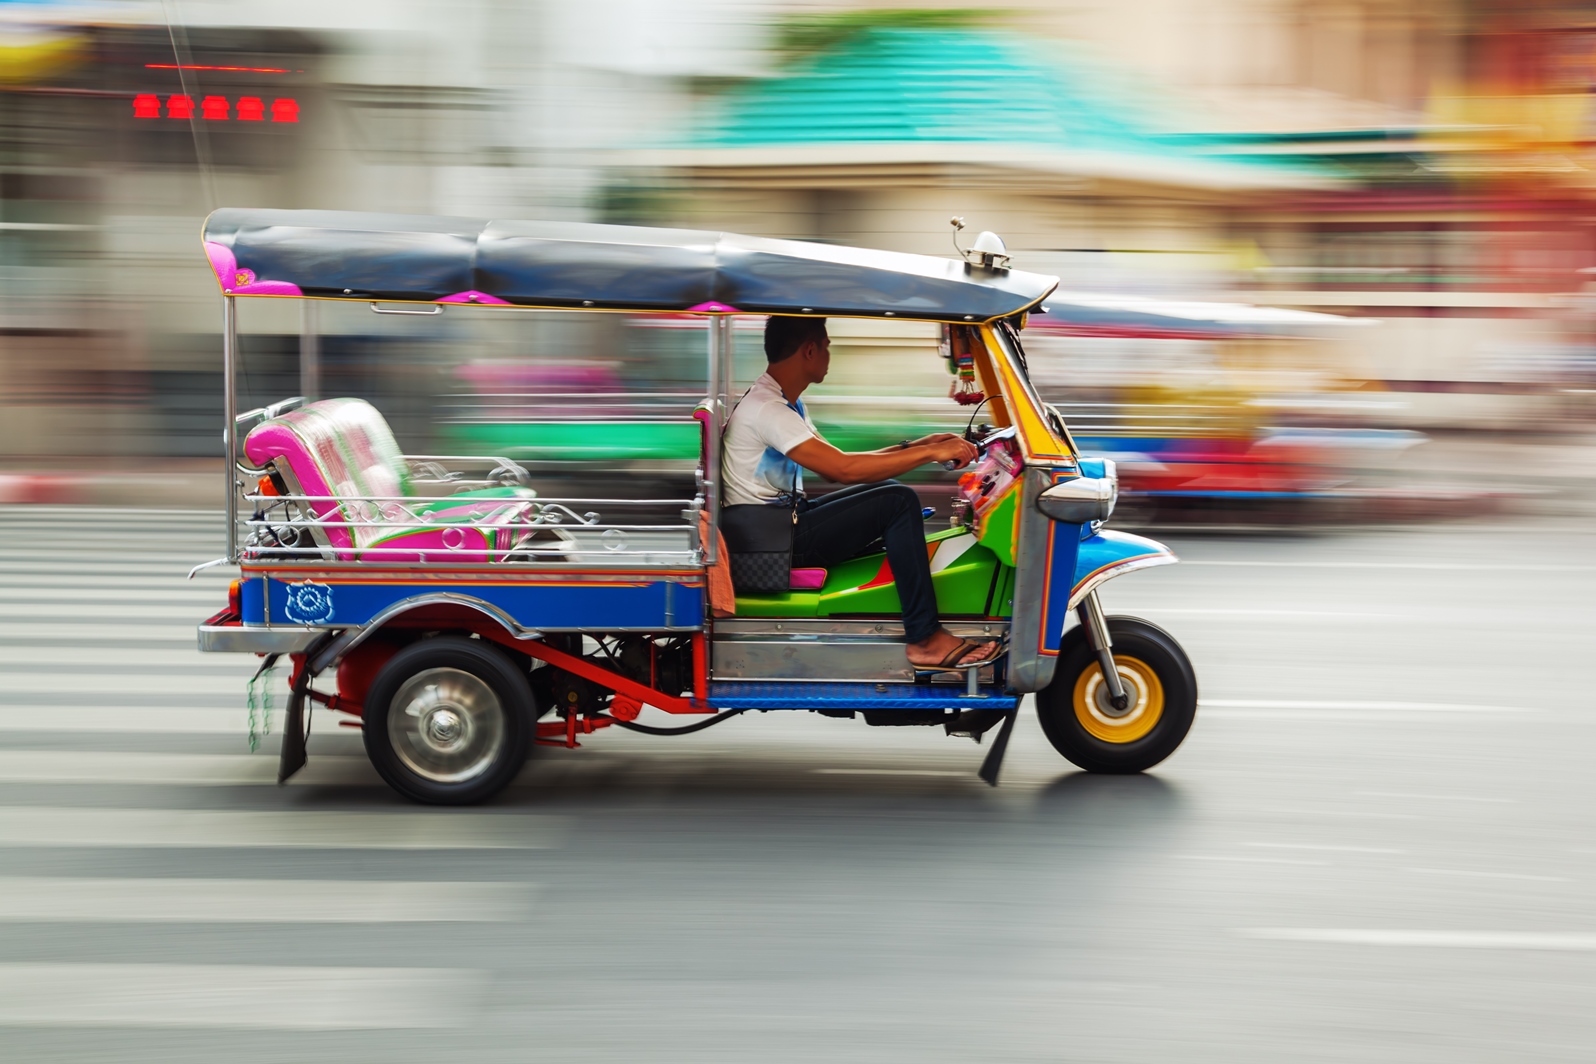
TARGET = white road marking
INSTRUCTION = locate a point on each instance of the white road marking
(16, 612)
(48, 826)
(1355, 936)
(1247, 860)
(19, 658)
(1488, 875)
(237, 996)
(78, 635)
(1438, 797)
(888, 772)
(80, 683)
(1402, 707)
(110, 718)
(292, 901)
(98, 766)
(1415, 566)
(1330, 849)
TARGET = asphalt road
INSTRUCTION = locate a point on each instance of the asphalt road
(1375, 846)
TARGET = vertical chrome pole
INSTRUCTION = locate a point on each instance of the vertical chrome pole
(230, 419)
(711, 545)
(309, 350)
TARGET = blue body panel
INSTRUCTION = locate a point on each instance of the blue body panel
(604, 604)
(1106, 549)
(752, 694)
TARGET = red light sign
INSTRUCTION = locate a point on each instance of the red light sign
(216, 108)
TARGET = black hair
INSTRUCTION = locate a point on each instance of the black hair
(785, 334)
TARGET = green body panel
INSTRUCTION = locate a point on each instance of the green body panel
(962, 588)
(997, 529)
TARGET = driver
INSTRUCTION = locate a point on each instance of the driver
(769, 436)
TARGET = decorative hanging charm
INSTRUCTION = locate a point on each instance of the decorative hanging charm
(961, 363)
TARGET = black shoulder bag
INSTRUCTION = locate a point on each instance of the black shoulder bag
(759, 539)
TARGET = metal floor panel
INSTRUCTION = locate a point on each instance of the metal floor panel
(783, 695)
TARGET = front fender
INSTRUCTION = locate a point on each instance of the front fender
(1105, 555)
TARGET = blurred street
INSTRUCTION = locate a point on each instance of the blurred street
(1376, 844)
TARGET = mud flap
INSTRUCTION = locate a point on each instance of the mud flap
(994, 757)
(292, 756)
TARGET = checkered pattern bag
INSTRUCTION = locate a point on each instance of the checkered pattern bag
(759, 539)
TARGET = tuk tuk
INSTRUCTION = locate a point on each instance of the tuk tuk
(465, 618)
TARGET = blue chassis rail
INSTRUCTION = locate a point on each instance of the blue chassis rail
(782, 694)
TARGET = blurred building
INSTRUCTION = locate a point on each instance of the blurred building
(1424, 163)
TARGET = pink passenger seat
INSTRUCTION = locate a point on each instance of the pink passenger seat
(343, 451)
(800, 579)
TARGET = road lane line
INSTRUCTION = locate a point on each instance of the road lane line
(1402, 707)
(1437, 797)
(1330, 849)
(1488, 875)
(236, 996)
(1247, 860)
(292, 901)
(1355, 936)
(70, 683)
(888, 772)
(47, 826)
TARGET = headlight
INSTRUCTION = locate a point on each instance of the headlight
(1082, 500)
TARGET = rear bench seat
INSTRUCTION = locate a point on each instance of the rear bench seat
(343, 450)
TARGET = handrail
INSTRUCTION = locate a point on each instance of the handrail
(437, 308)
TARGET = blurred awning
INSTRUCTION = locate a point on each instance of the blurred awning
(1099, 314)
(407, 258)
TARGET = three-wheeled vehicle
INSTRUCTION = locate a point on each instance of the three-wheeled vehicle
(465, 618)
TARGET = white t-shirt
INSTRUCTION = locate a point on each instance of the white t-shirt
(762, 429)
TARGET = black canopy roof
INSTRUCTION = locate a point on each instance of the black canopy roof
(351, 255)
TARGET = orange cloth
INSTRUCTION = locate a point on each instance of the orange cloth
(722, 596)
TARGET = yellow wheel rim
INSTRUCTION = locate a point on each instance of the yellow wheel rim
(1096, 712)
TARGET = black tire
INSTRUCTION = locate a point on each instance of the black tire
(1084, 727)
(449, 721)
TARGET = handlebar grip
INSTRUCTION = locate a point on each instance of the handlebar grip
(952, 463)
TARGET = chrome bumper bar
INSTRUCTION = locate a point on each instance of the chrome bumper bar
(233, 639)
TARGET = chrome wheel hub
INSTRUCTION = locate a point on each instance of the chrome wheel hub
(1101, 703)
(446, 725)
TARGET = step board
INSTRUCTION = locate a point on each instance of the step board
(778, 695)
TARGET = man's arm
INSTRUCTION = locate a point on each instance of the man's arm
(843, 467)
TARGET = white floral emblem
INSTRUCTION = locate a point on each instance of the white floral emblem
(309, 603)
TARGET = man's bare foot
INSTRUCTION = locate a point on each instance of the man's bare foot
(942, 643)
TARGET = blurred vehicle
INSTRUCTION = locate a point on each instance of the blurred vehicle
(456, 605)
(1217, 406)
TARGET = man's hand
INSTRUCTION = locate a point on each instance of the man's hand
(953, 448)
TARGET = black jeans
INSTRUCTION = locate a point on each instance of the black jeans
(847, 523)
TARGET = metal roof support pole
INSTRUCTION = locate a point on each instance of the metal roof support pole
(719, 330)
(310, 349)
(230, 419)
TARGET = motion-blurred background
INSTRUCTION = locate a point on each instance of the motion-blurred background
(1417, 168)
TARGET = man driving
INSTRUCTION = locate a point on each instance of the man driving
(770, 439)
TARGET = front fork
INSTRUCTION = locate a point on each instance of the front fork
(1090, 611)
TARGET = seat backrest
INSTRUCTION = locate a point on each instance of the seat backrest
(341, 448)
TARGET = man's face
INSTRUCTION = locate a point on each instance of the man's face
(816, 358)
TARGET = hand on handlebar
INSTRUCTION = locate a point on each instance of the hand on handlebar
(953, 452)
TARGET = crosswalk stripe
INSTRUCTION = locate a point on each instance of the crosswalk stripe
(98, 766)
(166, 720)
(97, 611)
(59, 826)
(75, 632)
(101, 657)
(236, 996)
(192, 683)
(27, 899)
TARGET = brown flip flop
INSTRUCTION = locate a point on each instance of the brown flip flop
(951, 662)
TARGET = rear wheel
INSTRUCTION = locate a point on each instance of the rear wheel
(448, 721)
(1079, 717)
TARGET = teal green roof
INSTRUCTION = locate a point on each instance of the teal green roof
(907, 85)
(886, 85)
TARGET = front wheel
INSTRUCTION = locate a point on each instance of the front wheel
(1080, 720)
(448, 721)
